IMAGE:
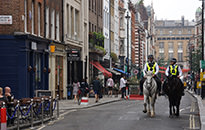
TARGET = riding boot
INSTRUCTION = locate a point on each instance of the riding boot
(141, 86)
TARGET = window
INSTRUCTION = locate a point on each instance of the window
(32, 16)
(170, 32)
(53, 24)
(47, 22)
(170, 55)
(180, 32)
(57, 27)
(170, 44)
(72, 22)
(121, 22)
(25, 15)
(39, 19)
(161, 45)
(161, 55)
(180, 47)
(37, 62)
(180, 56)
(76, 33)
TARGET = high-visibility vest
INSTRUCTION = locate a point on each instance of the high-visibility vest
(173, 71)
(152, 68)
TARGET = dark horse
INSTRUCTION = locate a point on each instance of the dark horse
(173, 90)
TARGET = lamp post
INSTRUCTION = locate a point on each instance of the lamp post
(202, 42)
(127, 17)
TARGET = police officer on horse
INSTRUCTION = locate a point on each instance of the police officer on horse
(174, 70)
(151, 65)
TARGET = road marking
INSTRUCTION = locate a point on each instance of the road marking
(192, 123)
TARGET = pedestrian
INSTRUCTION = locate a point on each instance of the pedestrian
(2, 97)
(123, 86)
(76, 86)
(110, 84)
(85, 88)
(97, 88)
(9, 103)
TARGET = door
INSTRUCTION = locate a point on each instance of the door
(59, 76)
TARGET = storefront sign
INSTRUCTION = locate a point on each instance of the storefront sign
(5, 19)
(73, 55)
(33, 46)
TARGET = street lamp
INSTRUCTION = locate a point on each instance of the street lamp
(127, 60)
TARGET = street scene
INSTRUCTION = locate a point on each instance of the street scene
(102, 64)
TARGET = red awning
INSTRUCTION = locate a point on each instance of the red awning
(163, 68)
(101, 68)
(185, 70)
(161, 72)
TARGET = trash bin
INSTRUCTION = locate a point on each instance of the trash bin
(69, 91)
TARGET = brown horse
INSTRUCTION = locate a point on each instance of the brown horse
(173, 90)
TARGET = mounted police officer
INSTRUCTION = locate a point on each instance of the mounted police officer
(151, 65)
(175, 70)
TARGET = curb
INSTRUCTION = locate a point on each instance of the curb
(89, 106)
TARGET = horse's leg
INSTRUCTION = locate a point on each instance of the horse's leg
(153, 98)
(177, 107)
(170, 108)
(145, 104)
(148, 103)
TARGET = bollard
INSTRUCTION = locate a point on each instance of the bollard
(50, 100)
(3, 117)
(31, 113)
(84, 101)
(42, 110)
(57, 106)
(18, 113)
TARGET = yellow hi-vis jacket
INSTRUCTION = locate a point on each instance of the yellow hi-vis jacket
(173, 71)
(153, 68)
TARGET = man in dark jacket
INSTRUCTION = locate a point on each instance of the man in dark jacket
(84, 87)
(96, 88)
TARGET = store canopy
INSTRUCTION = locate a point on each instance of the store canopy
(101, 68)
(113, 71)
(121, 71)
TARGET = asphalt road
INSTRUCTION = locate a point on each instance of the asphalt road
(128, 115)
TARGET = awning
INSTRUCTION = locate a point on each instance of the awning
(113, 71)
(121, 71)
(101, 68)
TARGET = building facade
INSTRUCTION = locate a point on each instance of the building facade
(76, 39)
(23, 47)
(172, 38)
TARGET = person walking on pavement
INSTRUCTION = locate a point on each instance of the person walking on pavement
(174, 70)
(151, 65)
(123, 86)
(84, 87)
(96, 88)
(76, 86)
(110, 84)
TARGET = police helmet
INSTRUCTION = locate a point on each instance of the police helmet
(174, 60)
(150, 57)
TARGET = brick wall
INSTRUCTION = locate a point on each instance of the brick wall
(15, 9)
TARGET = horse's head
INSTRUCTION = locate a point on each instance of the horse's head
(149, 77)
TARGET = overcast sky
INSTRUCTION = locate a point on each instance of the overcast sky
(174, 9)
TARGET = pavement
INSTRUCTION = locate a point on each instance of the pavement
(201, 104)
(70, 104)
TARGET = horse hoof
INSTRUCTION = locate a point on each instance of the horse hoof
(171, 116)
(145, 111)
